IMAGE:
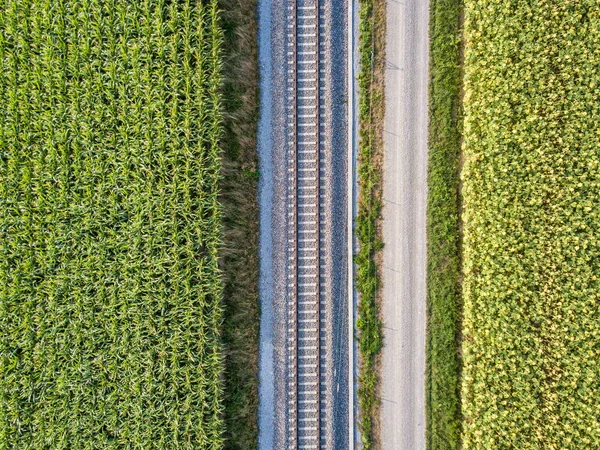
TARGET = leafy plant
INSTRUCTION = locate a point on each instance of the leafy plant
(531, 218)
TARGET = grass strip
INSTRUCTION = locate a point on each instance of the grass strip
(531, 217)
(240, 223)
(368, 220)
(443, 229)
(110, 225)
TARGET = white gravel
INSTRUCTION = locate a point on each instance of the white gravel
(266, 416)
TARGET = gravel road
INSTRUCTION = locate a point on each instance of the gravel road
(405, 203)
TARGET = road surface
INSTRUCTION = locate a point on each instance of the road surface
(404, 226)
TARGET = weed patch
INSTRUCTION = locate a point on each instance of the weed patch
(443, 231)
(368, 220)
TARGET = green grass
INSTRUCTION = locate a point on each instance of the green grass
(443, 233)
(531, 179)
(240, 221)
(368, 220)
(110, 225)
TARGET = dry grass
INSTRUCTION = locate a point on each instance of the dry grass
(240, 210)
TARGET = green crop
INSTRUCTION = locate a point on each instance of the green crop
(110, 291)
(531, 327)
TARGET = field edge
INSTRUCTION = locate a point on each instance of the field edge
(240, 263)
(443, 423)
(371, 109)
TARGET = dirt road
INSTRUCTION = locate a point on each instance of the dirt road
(405, 202)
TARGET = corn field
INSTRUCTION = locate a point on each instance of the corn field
(110, 291)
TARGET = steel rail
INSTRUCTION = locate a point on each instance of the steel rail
(293, 245)
(318, 212)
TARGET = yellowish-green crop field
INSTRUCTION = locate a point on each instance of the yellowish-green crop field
(531, 186)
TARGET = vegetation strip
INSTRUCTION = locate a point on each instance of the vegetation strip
(240, 223)
(110, 225)
(368, 220)
(531, 217)
(443, 233)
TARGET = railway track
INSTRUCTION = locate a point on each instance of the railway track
(306, 327)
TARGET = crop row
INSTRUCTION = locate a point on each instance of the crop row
(110, 291)
(531, 218)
